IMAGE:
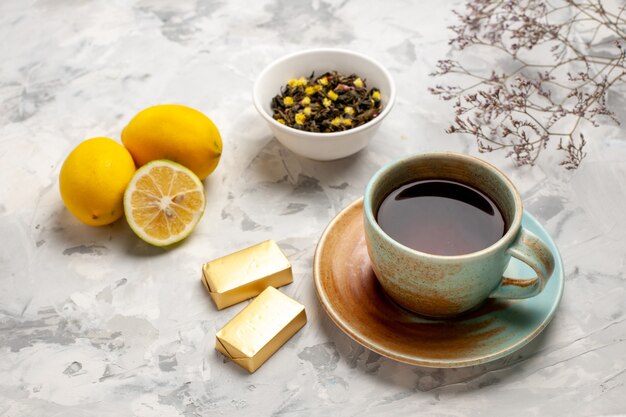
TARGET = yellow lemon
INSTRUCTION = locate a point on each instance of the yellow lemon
(176, 133)
(163, 202)
(93, 179)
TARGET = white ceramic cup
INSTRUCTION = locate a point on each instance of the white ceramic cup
(323, 146)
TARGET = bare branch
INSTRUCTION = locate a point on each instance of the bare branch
(567, 82)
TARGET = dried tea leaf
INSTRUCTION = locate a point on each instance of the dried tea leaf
(331, 102)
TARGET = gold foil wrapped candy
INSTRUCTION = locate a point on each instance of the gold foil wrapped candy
(263, 326)
(245, 274)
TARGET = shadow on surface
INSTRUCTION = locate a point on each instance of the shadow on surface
(410, 379)
(78, 238)
(274, 157)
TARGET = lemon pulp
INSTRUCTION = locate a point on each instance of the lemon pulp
(163, 202)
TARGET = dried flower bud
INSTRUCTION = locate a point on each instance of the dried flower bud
(300, 118)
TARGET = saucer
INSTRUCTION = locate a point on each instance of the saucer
(351, 295)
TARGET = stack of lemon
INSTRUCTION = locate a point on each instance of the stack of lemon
(175, 147)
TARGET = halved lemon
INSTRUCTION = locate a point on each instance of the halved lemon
(163, 202)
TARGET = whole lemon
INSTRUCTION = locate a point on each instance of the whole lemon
(93, 179)
(178, 133)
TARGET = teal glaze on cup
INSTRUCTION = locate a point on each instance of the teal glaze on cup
(445, 286)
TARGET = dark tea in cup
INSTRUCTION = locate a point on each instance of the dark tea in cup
(441, 217)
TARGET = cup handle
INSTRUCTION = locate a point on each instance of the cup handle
(531, 250)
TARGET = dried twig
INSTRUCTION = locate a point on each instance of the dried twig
(578, 55)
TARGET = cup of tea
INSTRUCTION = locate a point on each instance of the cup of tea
(441, 229)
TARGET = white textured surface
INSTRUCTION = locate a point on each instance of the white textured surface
(95, 323)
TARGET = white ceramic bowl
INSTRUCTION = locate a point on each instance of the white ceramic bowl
(323, 146)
